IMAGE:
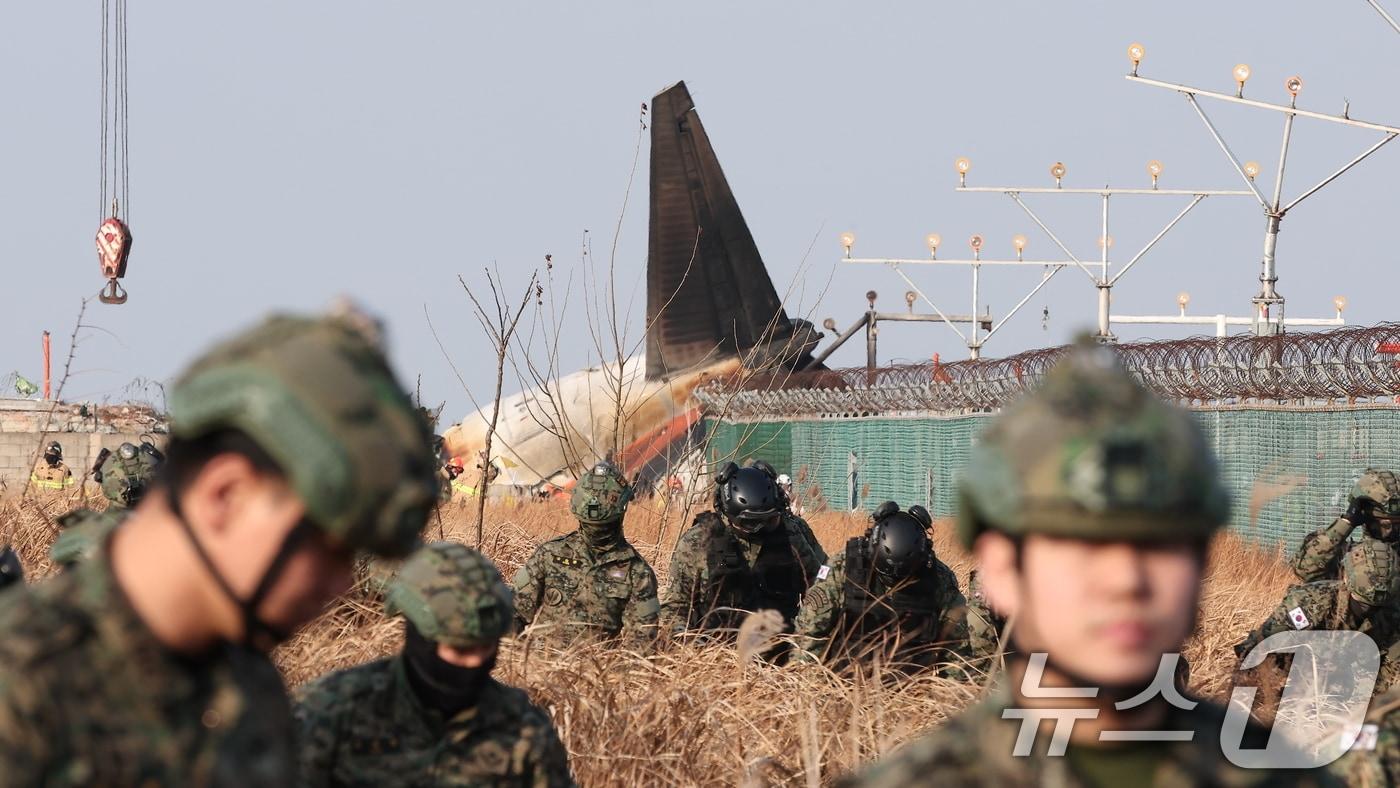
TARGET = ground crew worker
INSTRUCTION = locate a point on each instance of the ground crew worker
(124, 476)
(590, 582)
(50, 472)
(1088, 505)
(292, 448)
(887, 597)
(1366, 599)
(1374, 504)
(744, 556)
(432, 714)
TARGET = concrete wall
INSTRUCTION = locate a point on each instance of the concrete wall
(82, 432)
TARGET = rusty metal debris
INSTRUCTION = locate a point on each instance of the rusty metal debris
(1345, 366)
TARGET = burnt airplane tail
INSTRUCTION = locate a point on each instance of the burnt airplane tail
(709, 297)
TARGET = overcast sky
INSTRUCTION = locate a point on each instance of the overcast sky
(286, 152)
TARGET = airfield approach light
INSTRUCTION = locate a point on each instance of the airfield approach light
(870, 296)
(1019, 241)
(1293, 84)
(1154, 168)
(1241, 74)
(909, 297)
(1251, 169)
(1182, 299)
(976, 243)
(1135, 53)
(1340, 302)
(1105, 242)
(829, 324)
(847, 241)
(1057, 171)
(963, 164)
(933, 240)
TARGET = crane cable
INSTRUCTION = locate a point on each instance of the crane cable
(114, 177)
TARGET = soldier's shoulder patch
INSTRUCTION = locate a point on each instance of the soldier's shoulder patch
(824, 572)
(1299, 618)
(617, 572)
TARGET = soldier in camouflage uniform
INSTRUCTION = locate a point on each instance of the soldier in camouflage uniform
(1373, 756)
(124, 476)
(1366, 599)
(747, 555)
(1088, 505)
(591, 582)
(1374, 504)
(292, 448)
(886, 597)
(984, 625)
(432, 714)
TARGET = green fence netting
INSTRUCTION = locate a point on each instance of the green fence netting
(1289, 470)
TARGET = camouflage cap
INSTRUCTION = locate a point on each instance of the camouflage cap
(1092, 454)
(1371, 573)
(453, 595)
(1383, 488)
(601, 495)
(318, 396)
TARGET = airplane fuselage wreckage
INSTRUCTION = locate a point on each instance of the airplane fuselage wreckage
(712, 311)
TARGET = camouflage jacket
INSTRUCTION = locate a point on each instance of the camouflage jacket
(84, 531)
(715, 575)
(568, 590)
(847, 617)
(1319, 557)
(1323, 606)
(88, 696)
(1373, 758)
(365, 726)
(984, 625)
(975, 748)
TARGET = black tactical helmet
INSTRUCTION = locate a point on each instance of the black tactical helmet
(767, 467)
(53, 453)
(899, 541)
(748, 498)
(11, 573)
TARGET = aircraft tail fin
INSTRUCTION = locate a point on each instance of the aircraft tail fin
(709, 296)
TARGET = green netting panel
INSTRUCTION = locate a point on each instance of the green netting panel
(1289, 470)
(742, 442)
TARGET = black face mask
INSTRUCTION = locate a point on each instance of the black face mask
(440, 685)
(601, 537)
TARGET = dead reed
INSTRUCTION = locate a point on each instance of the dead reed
(695, 714)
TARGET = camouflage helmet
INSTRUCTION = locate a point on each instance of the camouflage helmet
(1371, 573)
(318, 396)
(601, 495)
(453, 595)
(1380, 487)
(126, 474)
(1092, 454)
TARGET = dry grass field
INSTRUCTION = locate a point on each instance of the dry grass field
(697, 715)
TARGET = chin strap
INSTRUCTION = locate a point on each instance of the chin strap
(254, 628)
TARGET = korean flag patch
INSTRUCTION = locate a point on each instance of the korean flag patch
(1299, 618)
(823, 572)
